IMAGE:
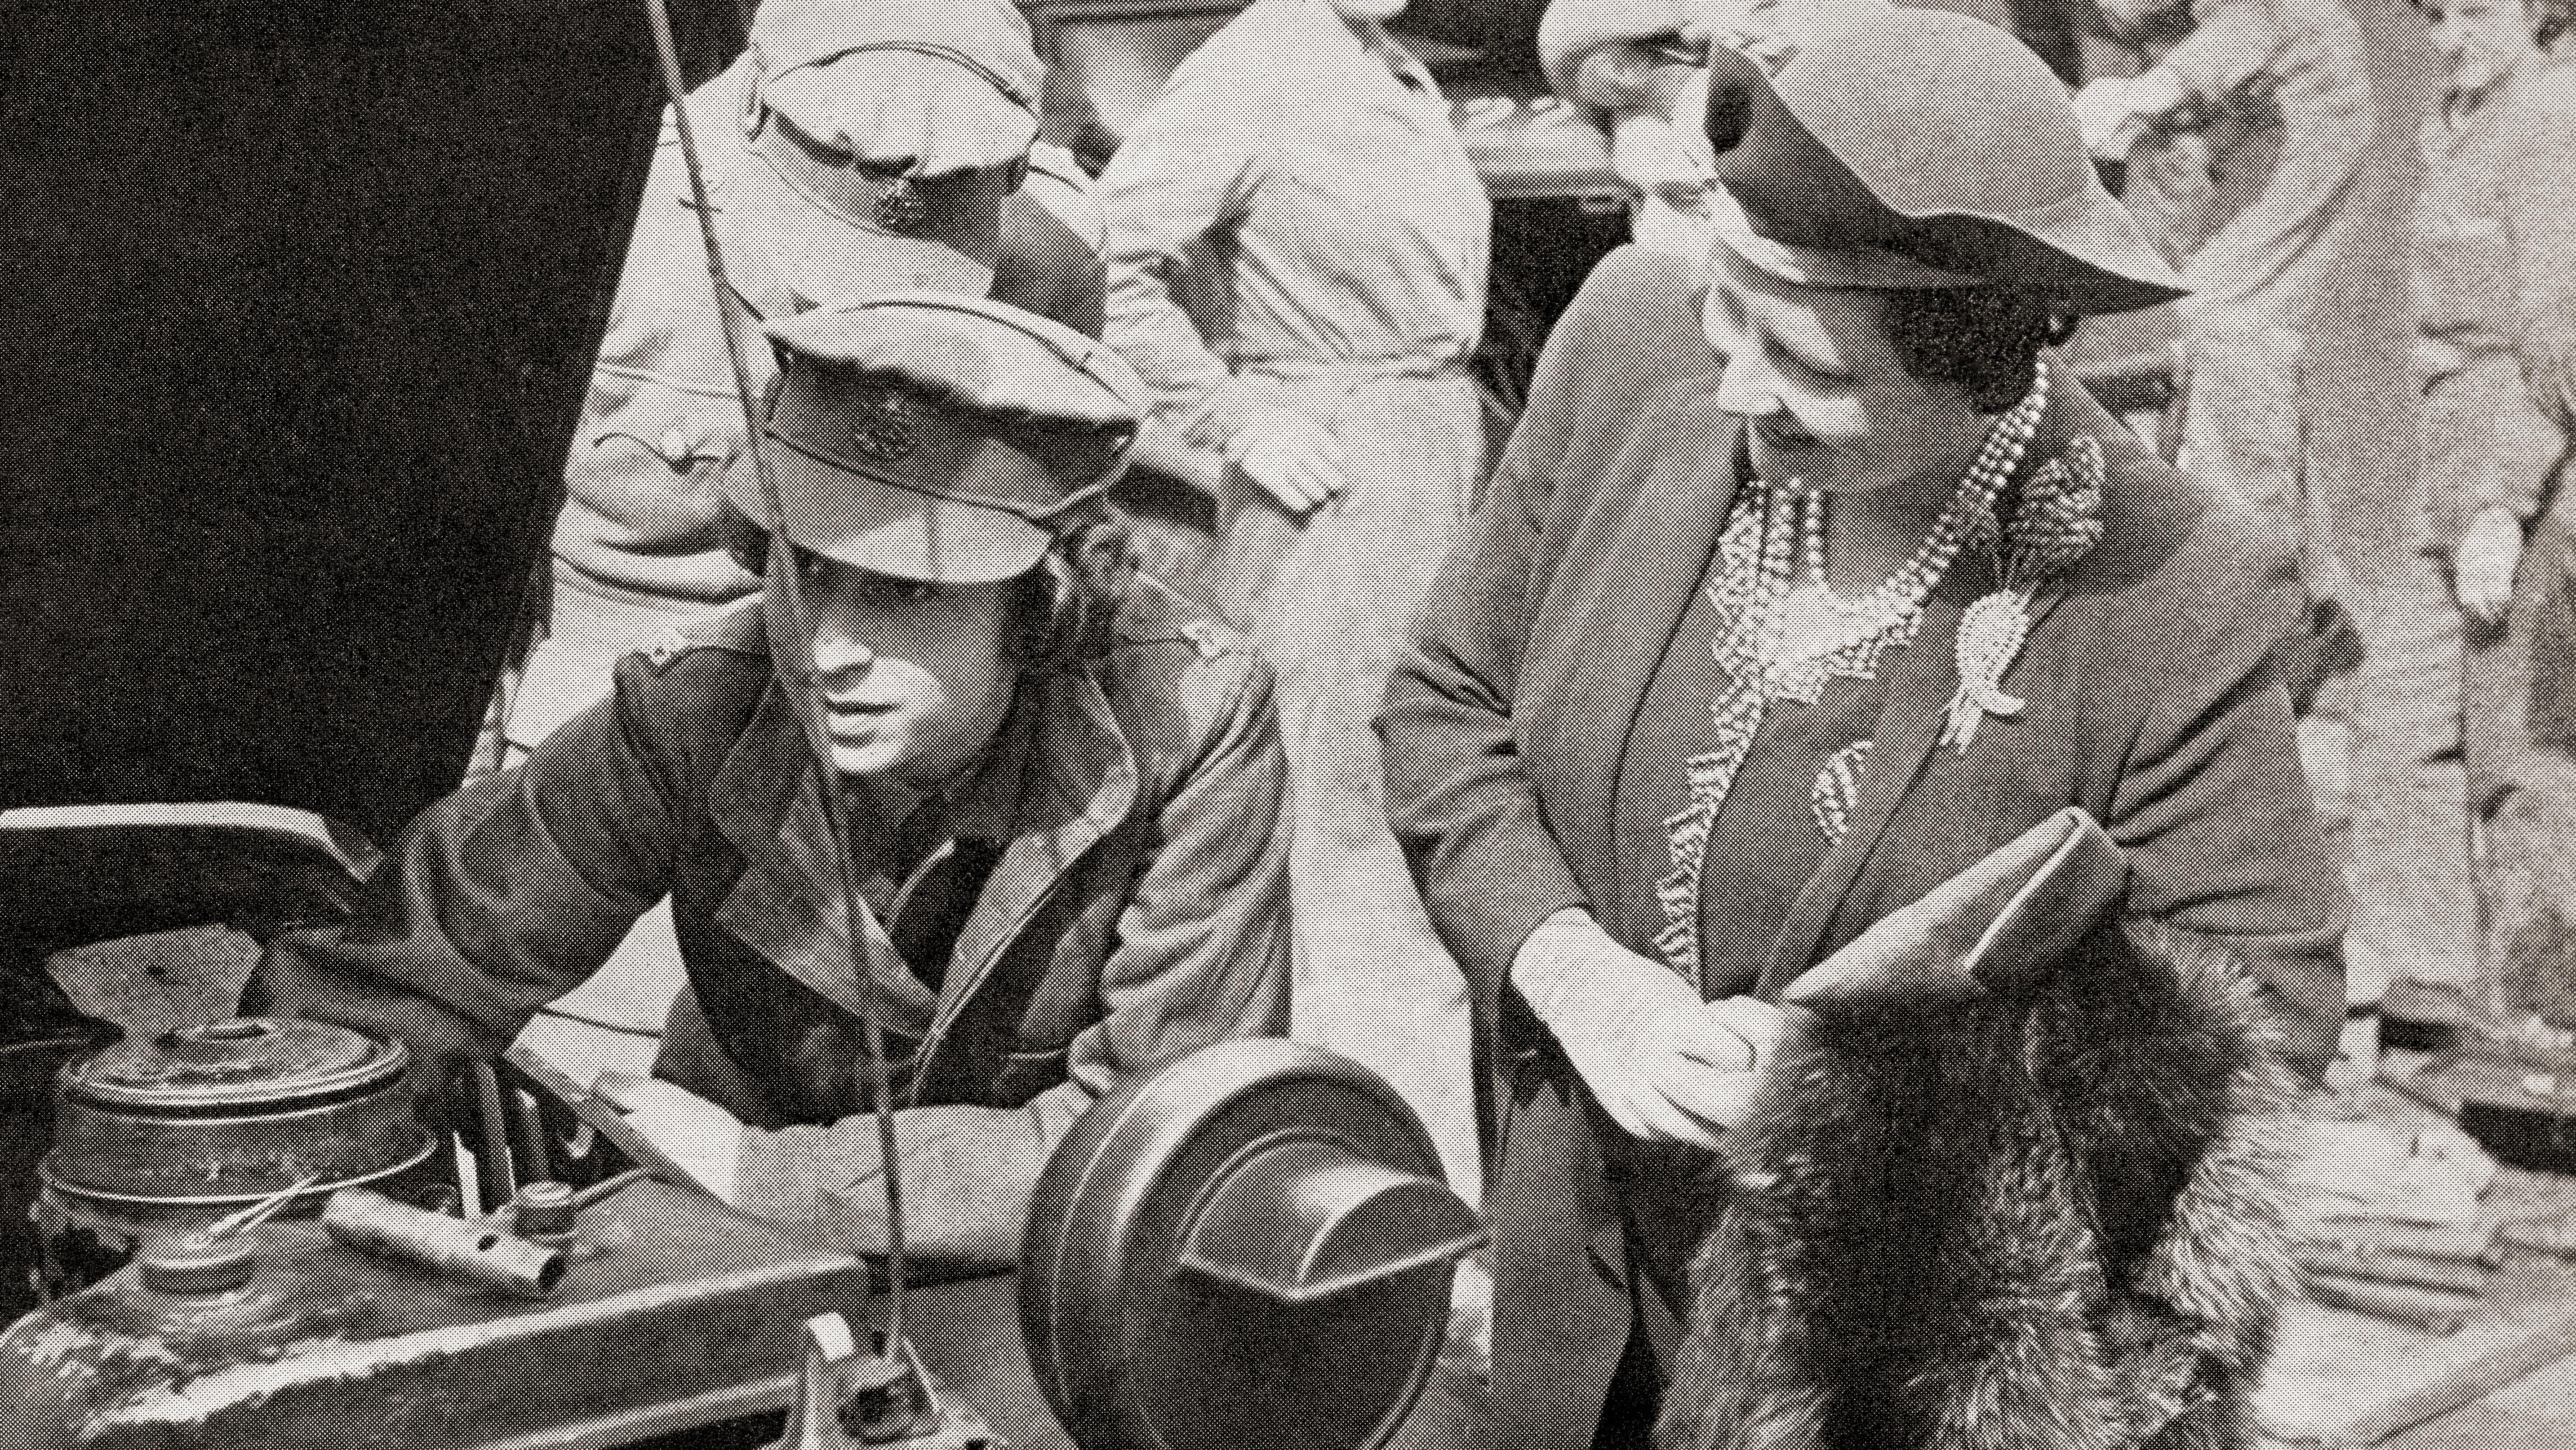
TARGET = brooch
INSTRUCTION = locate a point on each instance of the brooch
(2056, 522)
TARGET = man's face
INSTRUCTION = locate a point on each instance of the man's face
(2483, 41)
(914, 678)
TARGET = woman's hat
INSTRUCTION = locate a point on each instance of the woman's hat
(1898, 148)
(937, 436)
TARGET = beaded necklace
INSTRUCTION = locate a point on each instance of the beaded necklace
(1783, 639)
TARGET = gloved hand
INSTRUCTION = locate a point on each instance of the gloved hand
(1296, 460)
(702, 1138)
(2485, 562)
(1661, 158)
(1666, 1067)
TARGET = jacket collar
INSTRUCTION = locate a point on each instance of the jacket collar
(1061, 777)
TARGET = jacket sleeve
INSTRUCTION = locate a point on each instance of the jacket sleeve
(2212, 801)
(1458, 795)
(1201, 957)
(1182, 178)
(501, 898)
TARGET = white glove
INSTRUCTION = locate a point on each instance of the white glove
(2484, 564)
(1666, 1067)
(703, 1139)
(2115, 111)
(1296, 460)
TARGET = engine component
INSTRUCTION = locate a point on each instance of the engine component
(173, 1133)
(1252, 1247)
(467, 1250)
(282, 1338)
(846, 1400)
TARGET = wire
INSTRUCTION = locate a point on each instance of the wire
(790, 597)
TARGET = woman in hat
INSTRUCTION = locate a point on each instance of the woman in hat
(1806, 583)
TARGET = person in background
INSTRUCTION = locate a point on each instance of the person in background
(1744, 652)
(850, 150)
(1062, 806)
(2245, 142)
(2495, 355)
(1632, 67)
(1297, 249)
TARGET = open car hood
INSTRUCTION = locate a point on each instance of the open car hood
(303, 301)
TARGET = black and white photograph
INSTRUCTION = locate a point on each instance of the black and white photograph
(1288, 725)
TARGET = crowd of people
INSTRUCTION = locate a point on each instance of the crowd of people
(1826, 749)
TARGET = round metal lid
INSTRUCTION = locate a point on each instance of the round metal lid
(1253, 1246)
(230, 1066)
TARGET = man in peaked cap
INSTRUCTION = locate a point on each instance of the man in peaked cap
(1005, 729)
(851, 150)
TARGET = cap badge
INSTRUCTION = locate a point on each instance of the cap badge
(901, 208)
(883, 431)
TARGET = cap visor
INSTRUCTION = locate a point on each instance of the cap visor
(886, 529)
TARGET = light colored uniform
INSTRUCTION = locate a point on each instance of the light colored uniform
(1295, 224)
(2255, 187)
(2495, 314)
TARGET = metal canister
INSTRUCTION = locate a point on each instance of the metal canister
(172, 1133)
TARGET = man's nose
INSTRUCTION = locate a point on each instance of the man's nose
(839, 652)
(1747, 387)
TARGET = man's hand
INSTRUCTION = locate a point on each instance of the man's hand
(2485, 562)
(1759, 29)
(1662, 159)
(1297, 461)
(702, 1138)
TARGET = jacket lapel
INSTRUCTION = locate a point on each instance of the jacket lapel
(789, 904)
(1921, 682)
(1073, 780)
(1619, 622)
(1067, 777)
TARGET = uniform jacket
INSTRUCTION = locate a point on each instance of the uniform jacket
(1135, 913)
(2152, 705)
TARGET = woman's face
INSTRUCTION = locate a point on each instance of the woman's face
(915, 678)
(2483, 41)
(1825, 397)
